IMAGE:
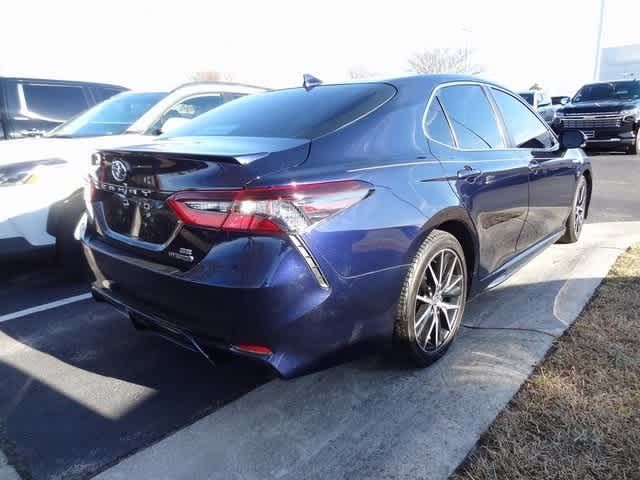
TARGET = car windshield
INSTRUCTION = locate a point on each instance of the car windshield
(609, 91)
(110, 117)
(291, 113)
(528, 97)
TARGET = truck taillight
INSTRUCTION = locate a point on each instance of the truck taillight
(291, 208)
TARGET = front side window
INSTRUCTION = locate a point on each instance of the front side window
(290, 113)
(52, 102)
(190, 108)
(194, 107)
(436, 124)
(471, 117)
(525, 128)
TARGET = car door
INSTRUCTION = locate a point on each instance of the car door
(490, 180)
(552, 172)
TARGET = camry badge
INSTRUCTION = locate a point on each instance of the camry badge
(119, 171)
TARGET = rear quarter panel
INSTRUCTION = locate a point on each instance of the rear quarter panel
(387, 149)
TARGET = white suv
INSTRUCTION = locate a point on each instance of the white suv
(41, 179)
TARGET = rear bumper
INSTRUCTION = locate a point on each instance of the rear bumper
(275, 302)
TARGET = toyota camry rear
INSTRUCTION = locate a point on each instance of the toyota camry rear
(296, 225)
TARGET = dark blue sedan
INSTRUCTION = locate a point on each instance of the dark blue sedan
(296, 225)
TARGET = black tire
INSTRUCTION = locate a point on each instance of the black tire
(574, 224)
(635, 149)
(68, 249)
(409, 339)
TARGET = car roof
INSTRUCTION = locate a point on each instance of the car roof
(73, 82)
(607, 82)
(184, 91)
(419, 87)
(231, 87)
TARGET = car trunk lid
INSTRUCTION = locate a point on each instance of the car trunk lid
(133, 184)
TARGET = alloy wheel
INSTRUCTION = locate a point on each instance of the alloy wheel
(580, 207)
(439, 300)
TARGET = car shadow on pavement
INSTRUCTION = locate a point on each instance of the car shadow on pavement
(81, 388)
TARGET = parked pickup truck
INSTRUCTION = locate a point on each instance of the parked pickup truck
(607, 113)
(30, 107)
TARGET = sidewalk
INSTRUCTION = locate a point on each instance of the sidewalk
(371, 419)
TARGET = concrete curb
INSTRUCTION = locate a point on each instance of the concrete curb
(369, 419)
(7, 472)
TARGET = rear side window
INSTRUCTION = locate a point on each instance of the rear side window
(49, 102)
(471, 117)
(436, 125)
(527, 131)
(291, 113)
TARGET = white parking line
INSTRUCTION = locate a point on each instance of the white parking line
(46, 306)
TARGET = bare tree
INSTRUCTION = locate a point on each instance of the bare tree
(211, 76)
(536, 86)
(360, 72)
(445, 60)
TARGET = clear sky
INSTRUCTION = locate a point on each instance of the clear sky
(158, 44)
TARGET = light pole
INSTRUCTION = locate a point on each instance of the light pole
(596, 69)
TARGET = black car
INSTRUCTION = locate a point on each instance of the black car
(607, 113)
(30, 107)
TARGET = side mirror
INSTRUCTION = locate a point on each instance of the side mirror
(172, 123)
(564, 100)
(572, 139)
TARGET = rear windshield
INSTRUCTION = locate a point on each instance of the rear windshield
(609, 91)
(292, 113)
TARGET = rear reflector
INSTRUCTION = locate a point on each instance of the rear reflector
(281, 209)
(255, 349)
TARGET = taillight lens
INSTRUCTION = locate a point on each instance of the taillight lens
(292, 208)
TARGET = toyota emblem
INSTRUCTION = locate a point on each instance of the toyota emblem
(119, 171)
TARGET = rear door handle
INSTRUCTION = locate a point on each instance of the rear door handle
(468, 172)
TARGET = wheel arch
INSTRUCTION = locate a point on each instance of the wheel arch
(456, 221)
(589, 178)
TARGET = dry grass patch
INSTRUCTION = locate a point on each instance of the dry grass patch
(578, 416)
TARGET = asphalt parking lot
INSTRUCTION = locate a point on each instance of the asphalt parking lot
(80, 389)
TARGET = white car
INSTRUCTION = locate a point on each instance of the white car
(41, 179)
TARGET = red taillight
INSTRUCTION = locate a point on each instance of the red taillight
(255, 349)
(289, 208)
(205, 209)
